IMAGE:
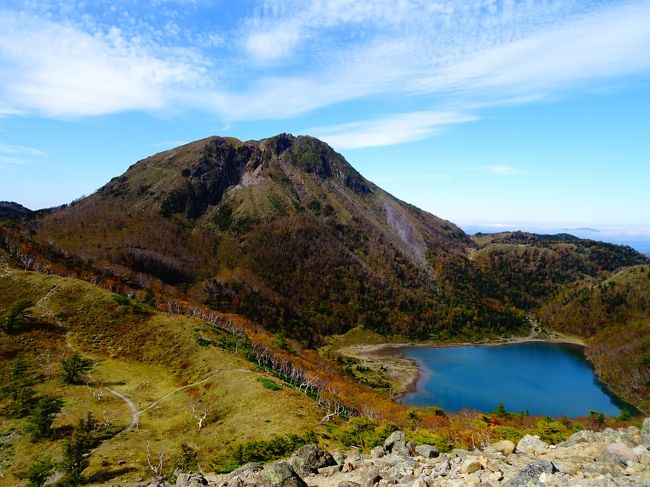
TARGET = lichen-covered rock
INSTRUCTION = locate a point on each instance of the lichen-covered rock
(530, 474)
(394, 437)
(348, 483)
(309, 458)
(618, 453)
(280, 474)
(427, 451)
(191, 479)
(531, 445)
(584, 436)
(469, 465)
(371, 478)
(505, 447)
(400, 448)
(329, 471)
(378, 452)
(645, 433)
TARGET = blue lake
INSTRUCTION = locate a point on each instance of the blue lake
(541, 378)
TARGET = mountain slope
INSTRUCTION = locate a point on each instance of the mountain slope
(282, 230)
(13, 211)
(287, 233)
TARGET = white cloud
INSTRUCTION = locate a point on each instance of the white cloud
(290, 57)
(517, 54)
(18, 154)
(57, 70)
(14, 161)
(395, 129)
(500, 169)
(19, 149)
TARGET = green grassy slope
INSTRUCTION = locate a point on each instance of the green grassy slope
(148, 356)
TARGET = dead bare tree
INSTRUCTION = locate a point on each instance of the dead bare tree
(199, 418)
(45, 362)
(155, 468)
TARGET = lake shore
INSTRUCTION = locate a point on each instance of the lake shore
(404, 373)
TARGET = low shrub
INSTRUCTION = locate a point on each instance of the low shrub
(259, 451)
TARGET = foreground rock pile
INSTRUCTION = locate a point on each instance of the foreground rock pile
(608, 458)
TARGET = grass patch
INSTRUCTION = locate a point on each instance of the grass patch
(269, 384)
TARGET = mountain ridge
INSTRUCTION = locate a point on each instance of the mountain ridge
(286, 232)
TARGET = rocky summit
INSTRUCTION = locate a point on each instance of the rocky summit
(588, 458)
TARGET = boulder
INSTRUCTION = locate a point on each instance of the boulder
(618, 453)
(347, 483)
(584, 436)
(394, 437)
(427, 451)
(190, 479)
(280, 474)
(155, 482)
(377, 452)
(469, 465)
(530, 474)
(610, 435)
(531, 445)
(400, 448)
(309, 459)
(505, 447)
(329, 471)
(419, 482)
(645, 433)
(371, 478)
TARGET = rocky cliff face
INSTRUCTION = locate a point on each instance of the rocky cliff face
(608, 458)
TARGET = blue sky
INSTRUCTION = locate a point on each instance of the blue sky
(493, 114)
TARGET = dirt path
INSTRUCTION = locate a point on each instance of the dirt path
(153, 404)
(135, 415)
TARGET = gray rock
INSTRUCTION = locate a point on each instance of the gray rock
(427, 451)
(309, 459)
(400, 448)
(618, 453)
(411, 446)
(610, 435)
(394, 437)
(280, 474)
(505, 447)
(247, 474)
(190, 479)
(403, 470)
(469, 465)
(531, 445)
(584, 436)
(155, 482)
(247, 467)
(347, 483)
(530, 474)
(458, 453)
(441, 470)
(329, 471)
(419, 482)
(371, 478)
(377, 452)
(645, 433)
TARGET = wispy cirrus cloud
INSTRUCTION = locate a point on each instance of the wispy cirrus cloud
(18, 154)
(281, 59)
(58, 70)
(391, 130)
(501, 169)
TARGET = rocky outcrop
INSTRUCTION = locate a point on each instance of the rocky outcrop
(590, 459)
